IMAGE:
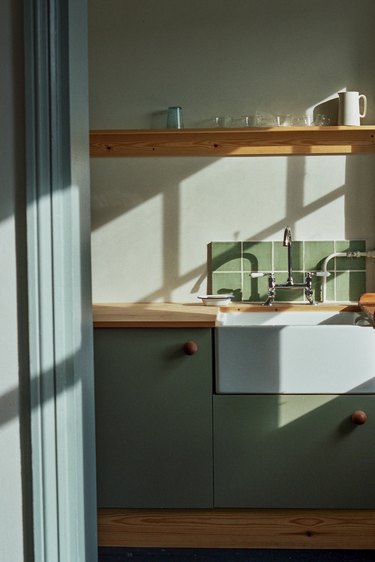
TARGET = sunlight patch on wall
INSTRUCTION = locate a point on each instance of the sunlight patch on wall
(323, 197)
(318, 168)
(317, 222)
(223, 202)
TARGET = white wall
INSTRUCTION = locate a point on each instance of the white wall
(11, 283)
(153, 218)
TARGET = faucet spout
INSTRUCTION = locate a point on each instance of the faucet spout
(287, 241)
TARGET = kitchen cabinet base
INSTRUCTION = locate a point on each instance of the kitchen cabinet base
(238, 528)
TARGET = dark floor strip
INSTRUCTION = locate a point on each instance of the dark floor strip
(111, 554)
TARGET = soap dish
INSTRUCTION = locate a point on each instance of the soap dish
(216, 300)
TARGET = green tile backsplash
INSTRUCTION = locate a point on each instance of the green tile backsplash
(228, 283)
(230, 265)
(257, 256)
(226, 256)
(315, 252)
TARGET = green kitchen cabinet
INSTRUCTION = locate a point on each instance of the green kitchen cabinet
(154, 417)
(290, 451)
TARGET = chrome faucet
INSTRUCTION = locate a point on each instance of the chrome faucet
(272, 286)
(287, 241)
(289, 284)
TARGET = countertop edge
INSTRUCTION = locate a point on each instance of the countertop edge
(183, 315)
(153, 324)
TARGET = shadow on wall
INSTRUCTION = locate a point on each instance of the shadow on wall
(227, 59)
(152, 196)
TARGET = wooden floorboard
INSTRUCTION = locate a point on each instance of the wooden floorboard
(233, 528)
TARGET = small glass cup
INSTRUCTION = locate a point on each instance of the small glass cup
(293, 120)
(175, 117)
(247, 120)
(284, 120)
(263, 119)
(221, 121)
(241, 121)
(322, 120)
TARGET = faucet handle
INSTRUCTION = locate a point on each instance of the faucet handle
(322, 274)
(255, 274)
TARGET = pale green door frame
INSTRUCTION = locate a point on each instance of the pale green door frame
(59, 290)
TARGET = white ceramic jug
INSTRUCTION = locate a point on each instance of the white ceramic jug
(349, 108)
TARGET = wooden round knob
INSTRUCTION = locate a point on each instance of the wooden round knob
(359, 417)
(190, 347)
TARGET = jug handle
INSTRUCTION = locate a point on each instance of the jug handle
(363, 114)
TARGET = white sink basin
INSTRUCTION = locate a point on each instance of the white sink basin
(312, 317)
(304, 352)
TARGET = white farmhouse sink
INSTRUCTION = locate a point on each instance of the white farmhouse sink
(304, 352)
(289, 318)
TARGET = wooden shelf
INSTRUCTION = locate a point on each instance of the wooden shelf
(233, 142)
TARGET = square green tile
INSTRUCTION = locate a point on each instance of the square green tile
(257, 256)
(281, 256)
(350, 285)
(350, 245)
(316, 287)
(255, 290)
(315, 252)
(282, 295)
(330, 288)
(225, 256)
(227, 283)
(343, 264)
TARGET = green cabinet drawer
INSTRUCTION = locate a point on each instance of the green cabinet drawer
(153, 418)
(293, 451)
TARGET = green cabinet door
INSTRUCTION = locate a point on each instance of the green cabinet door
(294, 451)
(153, 418)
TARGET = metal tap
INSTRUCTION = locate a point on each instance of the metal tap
(289, 284)
(287, 241)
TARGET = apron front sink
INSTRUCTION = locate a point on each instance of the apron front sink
(302, 352)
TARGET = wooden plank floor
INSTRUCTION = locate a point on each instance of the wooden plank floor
(234, 528)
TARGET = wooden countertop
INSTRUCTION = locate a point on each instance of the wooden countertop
(154, 315)
(367, 304)
(174, 315)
